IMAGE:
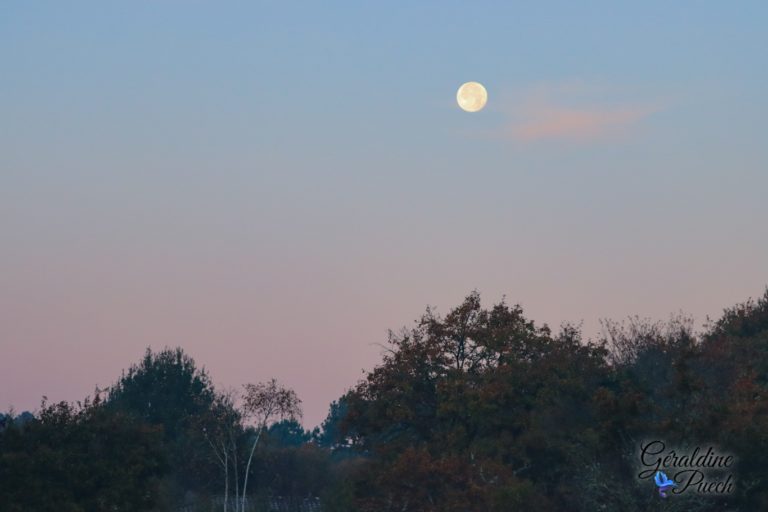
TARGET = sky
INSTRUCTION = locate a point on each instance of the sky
(274, 185)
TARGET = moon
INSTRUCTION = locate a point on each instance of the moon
(471, 96)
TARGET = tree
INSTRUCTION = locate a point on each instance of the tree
(263, 403)
(76, 457)
(287, 434)
(167, 389)
(477, 410)
(223, 430)
(332, 433)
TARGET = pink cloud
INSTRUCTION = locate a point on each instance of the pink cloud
(546, 122)
(571, 110)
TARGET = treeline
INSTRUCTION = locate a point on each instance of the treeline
(477, 410)
(163, 438)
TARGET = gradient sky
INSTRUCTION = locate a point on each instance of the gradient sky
(273, 185)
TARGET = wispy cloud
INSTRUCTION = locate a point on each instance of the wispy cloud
(565, 113)
(569, 123)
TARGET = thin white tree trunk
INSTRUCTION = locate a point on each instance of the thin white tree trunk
(237, 471)
(226, 481)
(248, 466)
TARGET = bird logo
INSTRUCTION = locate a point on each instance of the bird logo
(664, 483)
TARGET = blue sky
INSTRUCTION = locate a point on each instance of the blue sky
(273, 185)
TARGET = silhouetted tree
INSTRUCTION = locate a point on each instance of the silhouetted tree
(263, 403)
(80, 457)
(167, 389)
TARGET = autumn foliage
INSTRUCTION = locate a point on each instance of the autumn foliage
(479, 410)
(482, 410)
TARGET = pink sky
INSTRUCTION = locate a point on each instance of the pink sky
(312, 323)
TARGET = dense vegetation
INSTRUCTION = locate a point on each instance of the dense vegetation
(479, 410)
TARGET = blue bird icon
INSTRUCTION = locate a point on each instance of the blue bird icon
(664, 483)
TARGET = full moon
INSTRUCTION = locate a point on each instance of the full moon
(472, 96)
